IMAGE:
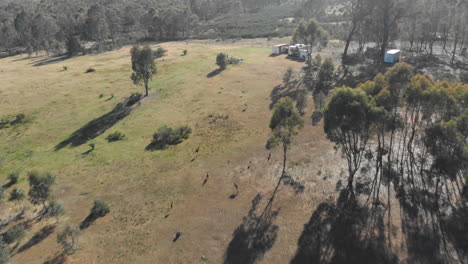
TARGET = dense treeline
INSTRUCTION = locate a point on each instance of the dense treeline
(57, 25)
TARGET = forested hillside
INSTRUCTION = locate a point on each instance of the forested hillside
(52, 25)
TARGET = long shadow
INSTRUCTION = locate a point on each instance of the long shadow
(15, 218)
(99, 125)
(88, 221)
(214, 73)
(58, 258)
(428, 233)
(51, 60)
(344, 232)
(457, 231)
(289, 88)
(254, 236)
(8, 185)
(38, 237)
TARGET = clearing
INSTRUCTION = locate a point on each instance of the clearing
(140, 185)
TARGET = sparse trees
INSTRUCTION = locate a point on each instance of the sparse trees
(285, 124)
(143, 66)
(325, 76)
(348, 116)
(310, 33)
(40, 186)
(356, 11)
(301, 101)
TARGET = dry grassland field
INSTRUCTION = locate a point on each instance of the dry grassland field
(141, 185)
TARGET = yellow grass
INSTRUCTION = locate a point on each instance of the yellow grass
(140, 185)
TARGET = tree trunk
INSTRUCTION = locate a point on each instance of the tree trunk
(146, 88)
(351, 180)
(348, 39)
(454, 53)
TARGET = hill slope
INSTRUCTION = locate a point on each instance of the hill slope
(140, 185)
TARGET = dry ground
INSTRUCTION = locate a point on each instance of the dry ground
(140, 185)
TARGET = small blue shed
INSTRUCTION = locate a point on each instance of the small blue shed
(392, 56)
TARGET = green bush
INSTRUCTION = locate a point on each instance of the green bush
(159, 52)
(56, 210)
(116, 136)
(17, 195)
(100, 209)
(168, 136)
(90, 70)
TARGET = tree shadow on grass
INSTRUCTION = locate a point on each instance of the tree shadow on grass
(457, 231)
(58, 258)
(99, 125)
(214, 73)
(289, 88)
(254, 237)
(433, 235)
(38, 237)
(51, 60)
(344, 232)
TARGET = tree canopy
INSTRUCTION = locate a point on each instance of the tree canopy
(143, 66)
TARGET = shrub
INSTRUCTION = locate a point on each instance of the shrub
(185, 52)
(101, 96)
(40, 187)
(116, 136)
(13, 177)
(19, 119)
(65, 68)
(159, 52)
(68, 238)
(56, 210)
(221, 60)
(100, 209)
(168, 136)
(14, 234)
(17, 195)
(4, 252)
(90, 70)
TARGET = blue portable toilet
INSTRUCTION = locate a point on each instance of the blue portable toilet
(392, 56)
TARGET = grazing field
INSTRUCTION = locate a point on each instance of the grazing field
(229, 114)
